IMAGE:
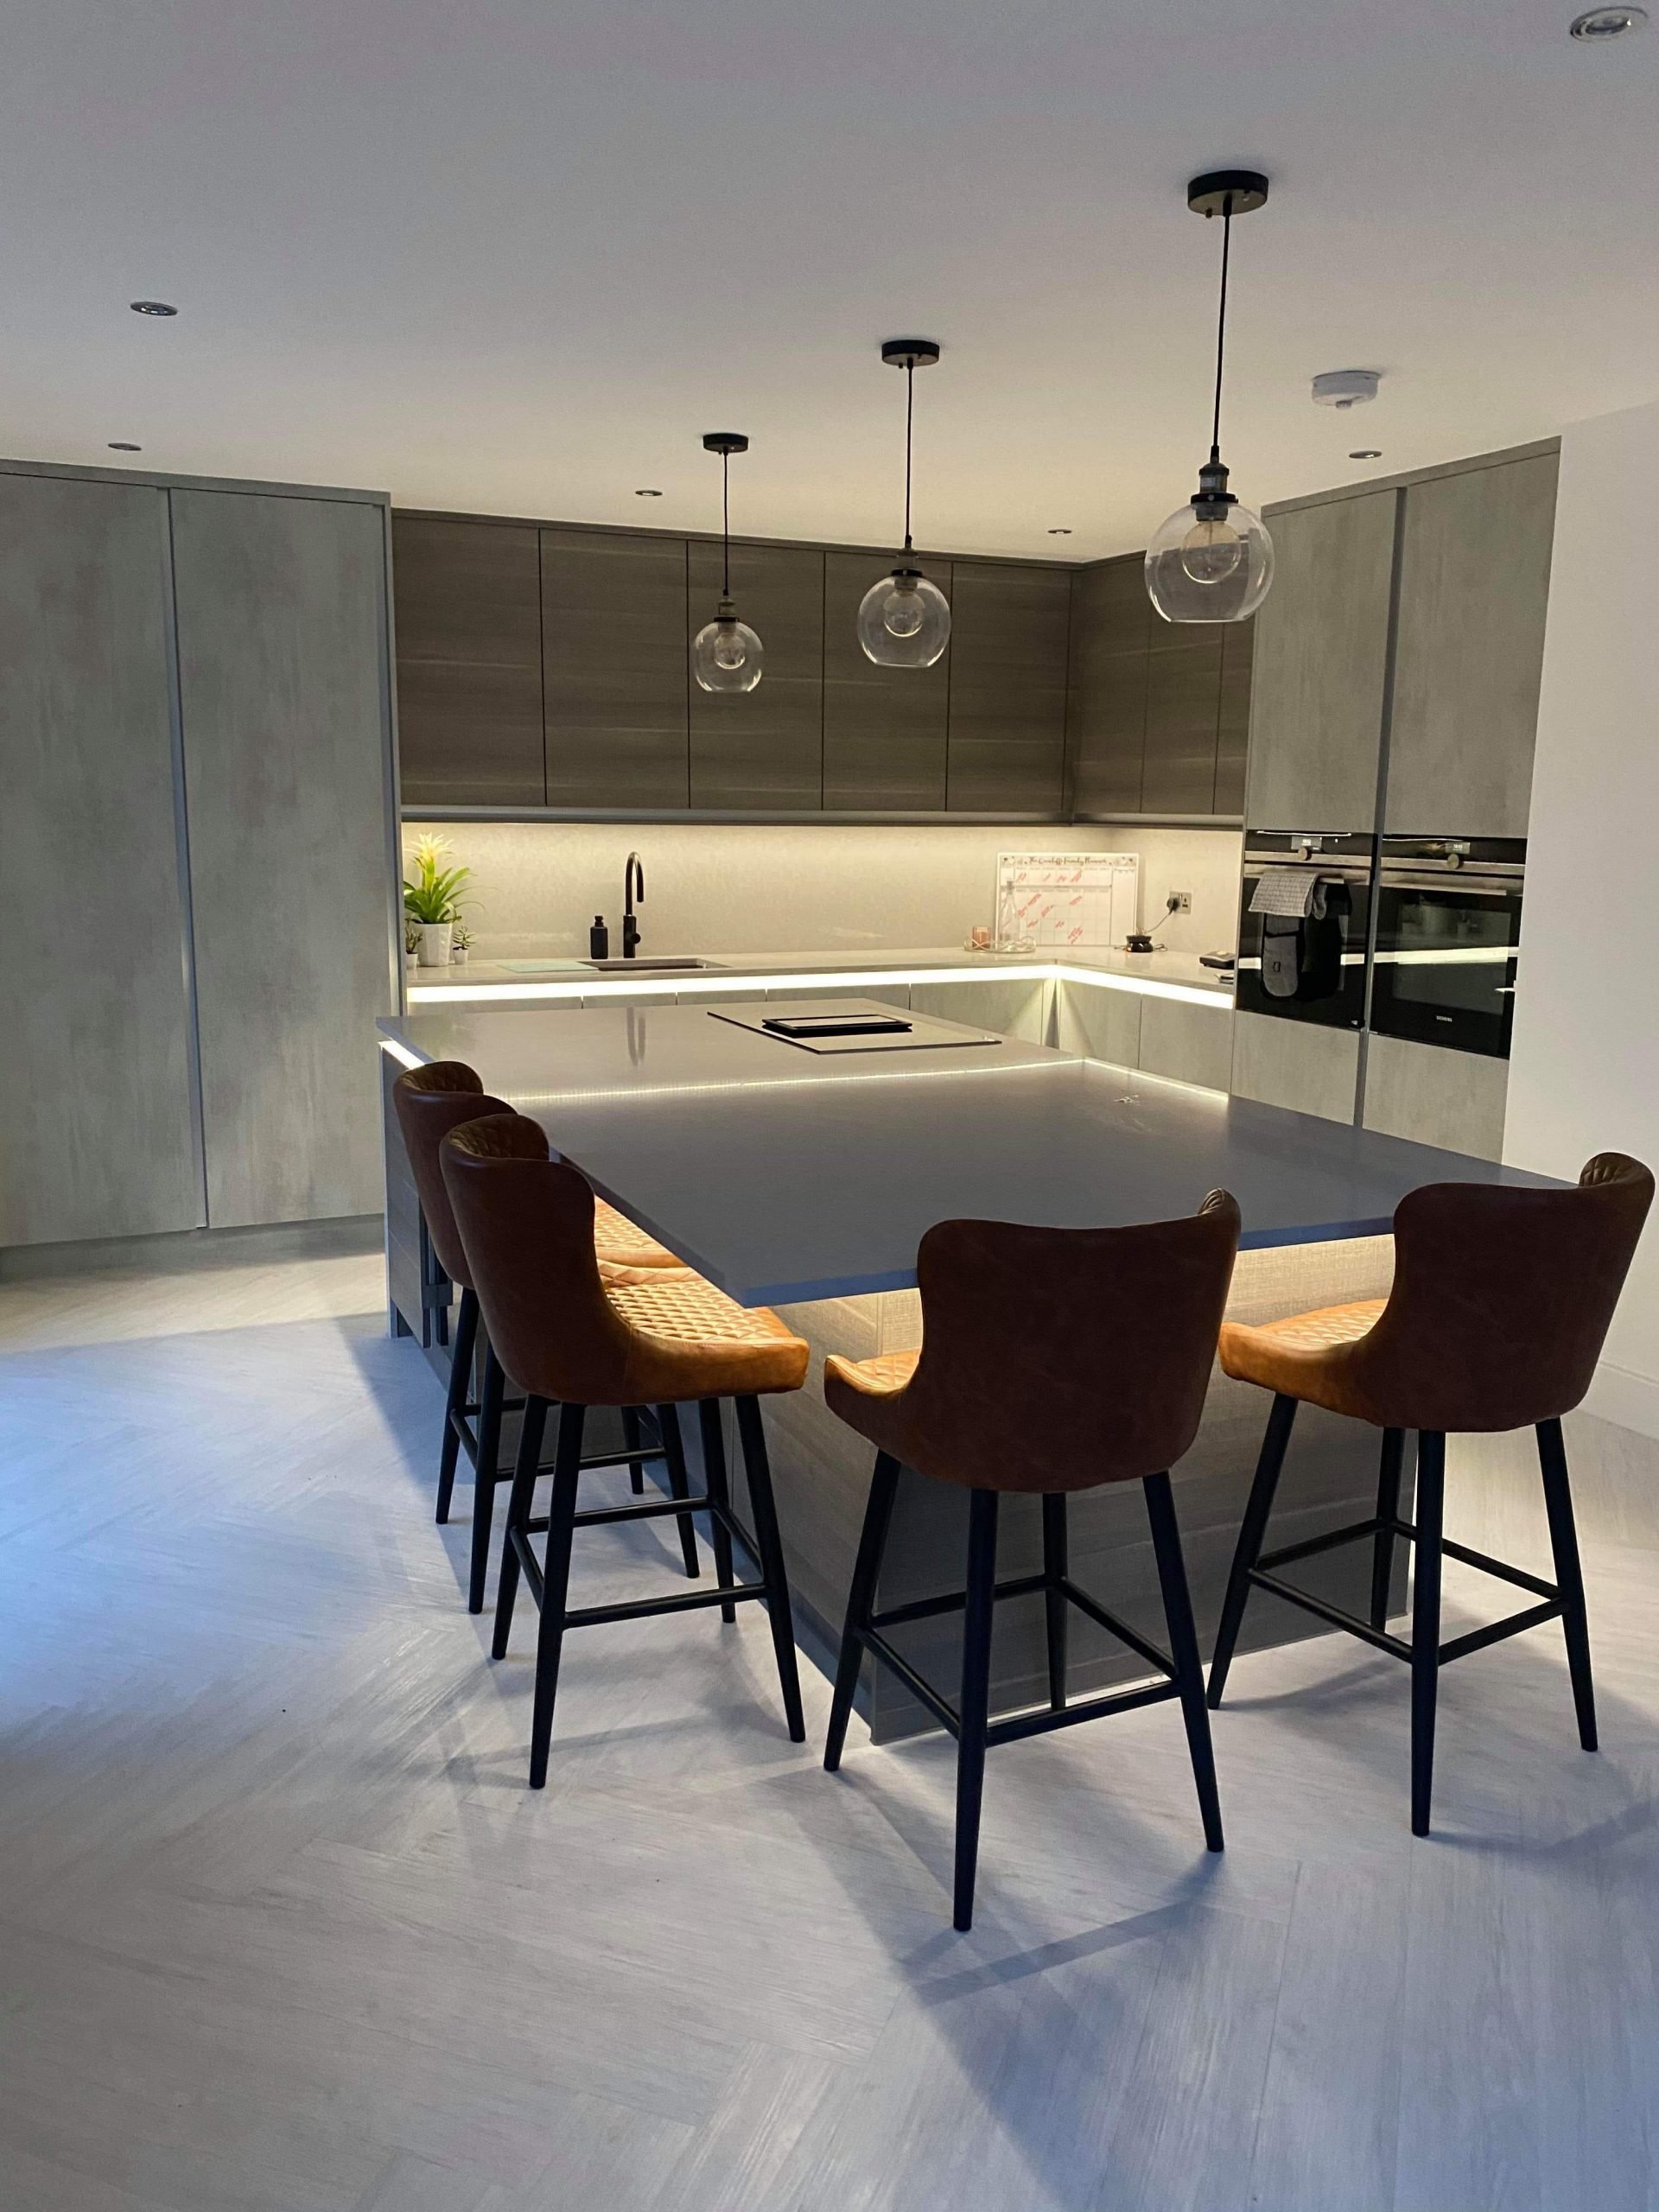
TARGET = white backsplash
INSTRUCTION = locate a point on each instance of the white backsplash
(739, 887)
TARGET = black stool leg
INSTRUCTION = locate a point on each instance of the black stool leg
(1183, 1650)
(556, 1584)
(485, 1476)
(1252, 1533)
(975, 1707)
(762, 1504)
(1055, 1569)
(461, 1381)
(860, 1602)
(1569, 1576)
(526, 1467)
(714, 1469)
(668, 1423)
(1426, 1621)
(1387, 1510)
(631, 1443)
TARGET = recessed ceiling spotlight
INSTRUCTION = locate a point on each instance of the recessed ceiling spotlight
(1059, 533)
(1600, 23)
(123, 445)
(151, 306)
(1366, 453)
(645, 493)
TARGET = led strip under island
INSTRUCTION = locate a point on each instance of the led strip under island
(704, 980)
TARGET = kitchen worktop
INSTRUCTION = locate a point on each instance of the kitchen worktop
(1161, 974)
(784, 1176)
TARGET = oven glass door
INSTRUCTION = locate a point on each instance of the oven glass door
(1340, 1006)
(1445, 956)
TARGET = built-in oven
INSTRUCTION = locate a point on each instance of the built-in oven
(1448, 930)
(1306, 965)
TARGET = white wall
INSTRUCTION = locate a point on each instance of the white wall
(740, 887)
(1585, 1073)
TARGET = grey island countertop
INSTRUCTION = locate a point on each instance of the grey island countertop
(784, 1176)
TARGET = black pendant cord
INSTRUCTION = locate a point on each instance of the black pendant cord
(725, 525)
(910, 410)
(1221, 325)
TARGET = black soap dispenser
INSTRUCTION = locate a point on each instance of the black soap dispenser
(599, 940)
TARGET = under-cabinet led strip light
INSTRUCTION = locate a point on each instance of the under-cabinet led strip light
(703, 981)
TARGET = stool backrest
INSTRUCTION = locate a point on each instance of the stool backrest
(527, 1223)
(429, 1102)
(1502, 1299)
(1059, 1358)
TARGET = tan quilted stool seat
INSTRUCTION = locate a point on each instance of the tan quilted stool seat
(1303, 1355)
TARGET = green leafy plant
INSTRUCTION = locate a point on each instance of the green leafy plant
(463, 938)
(434, 893)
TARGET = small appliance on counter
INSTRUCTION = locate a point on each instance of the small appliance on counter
(1304, 925)
(1448, 932)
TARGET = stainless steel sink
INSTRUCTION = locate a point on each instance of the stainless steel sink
(642, 964)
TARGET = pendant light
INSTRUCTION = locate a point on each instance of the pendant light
(1213, 560)
(726, 654)
(903, 621)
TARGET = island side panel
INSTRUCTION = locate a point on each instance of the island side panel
(822, 1471)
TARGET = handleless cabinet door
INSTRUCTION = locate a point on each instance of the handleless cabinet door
(762, 748)
(1474, 582)
(282, 626)
(1110, 618)
(615, 670)
(1183, 710)
(1321, 658)
(1009, 643)
(468, 598)
(884, 728)
(96, 1112)
(1233, 721)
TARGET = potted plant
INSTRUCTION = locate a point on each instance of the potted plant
(460, 944)
(432, 899)
(411, 942)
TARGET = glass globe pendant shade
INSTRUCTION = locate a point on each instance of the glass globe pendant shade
(903, 621)
(726, 654)
(1213, 560)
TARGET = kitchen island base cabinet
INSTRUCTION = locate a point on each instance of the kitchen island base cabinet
(1190, 1043)
(822, 1473)
(1296, 1064)
(1456, 1100)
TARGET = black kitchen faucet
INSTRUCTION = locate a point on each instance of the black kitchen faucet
(633, 879)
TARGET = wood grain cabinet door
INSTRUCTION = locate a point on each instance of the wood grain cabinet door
(1320, 679)
(1010, 643)
(96, 1111)
(615, 669)
(469, 603)
(1183, 715)
(1233, 721)
(1110, 618)
(761, 749)
(1474, 584)
(884, 728)
(284, 699)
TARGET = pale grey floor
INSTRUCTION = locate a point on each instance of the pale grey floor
(280, 1926)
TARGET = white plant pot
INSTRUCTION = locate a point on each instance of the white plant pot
(436, 944)
(458, 956)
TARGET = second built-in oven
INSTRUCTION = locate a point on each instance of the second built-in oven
(1448, 931)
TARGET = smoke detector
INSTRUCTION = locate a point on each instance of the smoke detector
(1345, 387)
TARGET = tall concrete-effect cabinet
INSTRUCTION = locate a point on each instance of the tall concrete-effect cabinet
(196, 745)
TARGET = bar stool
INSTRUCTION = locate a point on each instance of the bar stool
(429, 1102)
(1501, 1302)
(1095, 1371)
(567, 1335)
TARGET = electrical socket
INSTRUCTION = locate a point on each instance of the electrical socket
(1180, 902)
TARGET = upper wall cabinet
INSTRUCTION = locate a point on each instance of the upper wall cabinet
(1160, 709)
(616, 669)
(1009, 640)
(1319, 684)
(469, 662)
(884, 728)
(763, 749)
(1474, 581)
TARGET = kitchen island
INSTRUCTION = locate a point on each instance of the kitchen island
(805, 1181)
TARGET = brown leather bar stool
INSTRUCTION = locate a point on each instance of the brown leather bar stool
(1096, 1374)
(429, 1102)
(1501, 1302)
(570, 1336)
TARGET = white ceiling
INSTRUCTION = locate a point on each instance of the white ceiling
(518, 254)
